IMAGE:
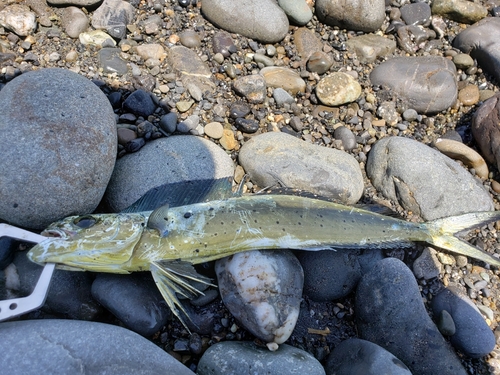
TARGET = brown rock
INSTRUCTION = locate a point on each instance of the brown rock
(469, 95)
(459, 151)
(486, 129)
(306, 42)
(125, 135)
(285, 78)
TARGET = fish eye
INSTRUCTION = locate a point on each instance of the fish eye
(84, 222)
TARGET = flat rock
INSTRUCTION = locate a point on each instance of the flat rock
(134, 299)
(486, 129)
(114, 16)
(358, 15)
(338, 88)
(165, 160)
(357, 356)
(472, 335)
(479, 40)
(262, 20)
(287, 79)
(459, 10)
(390, 313)
(63, 167)
(194, 73)
(396, 165)
(262, 289)
(61, 347)
(297, 164)
(252, 87)
(238, 357)
(433, 91)
(369, 47)
(306, 42)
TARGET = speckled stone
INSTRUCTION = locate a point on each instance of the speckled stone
(469, 95)
(285, 78)
(353, 17)
(459, 10)
(338, 88)
(18, 18)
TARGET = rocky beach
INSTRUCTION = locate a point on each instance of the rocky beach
(391, 104)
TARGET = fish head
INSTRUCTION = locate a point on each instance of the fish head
(100, 242)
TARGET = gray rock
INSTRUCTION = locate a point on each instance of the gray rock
(369, 47)
(262, 20)
(190, 123)
(472, 335)
(347, 137)
(329, 275)
(252, 87)
(114, 16)
(427, 265)
(58, 142)
(18, 18)
(359, 15)
(319, 62)
(111, 62)
(69, 293)
(62, 347)
(193, 72)
(396, 165)
(485, 129)
(356, 356)
(140, 103)
(236, 358)
(306, 42)
(74, 21)
(416, 14)
(459, 10)
(297, 11)
(133, 299)
(168, 122)
(165, 160)
(297, 164)
(262, 289)
(282, 97)
(433, 91)
(390, 313)
(479, 40)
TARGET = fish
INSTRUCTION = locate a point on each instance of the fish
(168, 241)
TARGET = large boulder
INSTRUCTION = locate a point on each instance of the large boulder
(58, 142)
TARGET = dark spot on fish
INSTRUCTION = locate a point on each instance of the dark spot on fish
(15, 205)
(211, 209)
(197, 250)
(284, 230)
(188, 214)
(277, 222)
(321, 225)
(84, 222)
(221, 223)
(299, 223)
(255, 221)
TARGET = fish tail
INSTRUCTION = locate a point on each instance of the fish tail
(442, 234)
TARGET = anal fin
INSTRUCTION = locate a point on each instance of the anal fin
(177, 277)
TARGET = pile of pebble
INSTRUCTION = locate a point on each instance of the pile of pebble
(103, 100)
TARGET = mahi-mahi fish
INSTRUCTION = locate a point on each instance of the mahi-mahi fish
(167, 241)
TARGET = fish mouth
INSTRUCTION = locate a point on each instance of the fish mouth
(56, 233)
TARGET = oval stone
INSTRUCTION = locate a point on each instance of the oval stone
(285, 78)
(356, 15)
(338, 88)
(262, 20)
(58, 141)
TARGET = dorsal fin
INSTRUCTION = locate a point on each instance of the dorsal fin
(183, 193)
(159, 220)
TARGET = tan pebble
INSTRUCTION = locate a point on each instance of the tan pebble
(214, 130)
(125, 135)
(228, 141)
(457, 150)
(174, 39)
(469, 95)
(485, 94)
(239, 172)
(378, 123)
(495, 185)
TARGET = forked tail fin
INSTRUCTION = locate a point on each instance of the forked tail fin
(442, 232)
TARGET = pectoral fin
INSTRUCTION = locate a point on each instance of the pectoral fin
(176, 277)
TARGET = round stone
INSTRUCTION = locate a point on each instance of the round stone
(58, 142)
(338, 88)
(463, 61)
(214, 130)
(469, 95)
(190, 39)
(319, 62)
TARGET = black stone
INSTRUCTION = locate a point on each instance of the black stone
(246, 125)
(140, 103)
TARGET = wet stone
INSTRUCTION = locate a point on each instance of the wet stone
(319, 62)
(246, 125)
(416, 13)
(223, 43)
(111, 62)
(239, 109)
(140, 103)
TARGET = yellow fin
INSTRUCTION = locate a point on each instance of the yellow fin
(176, 277)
